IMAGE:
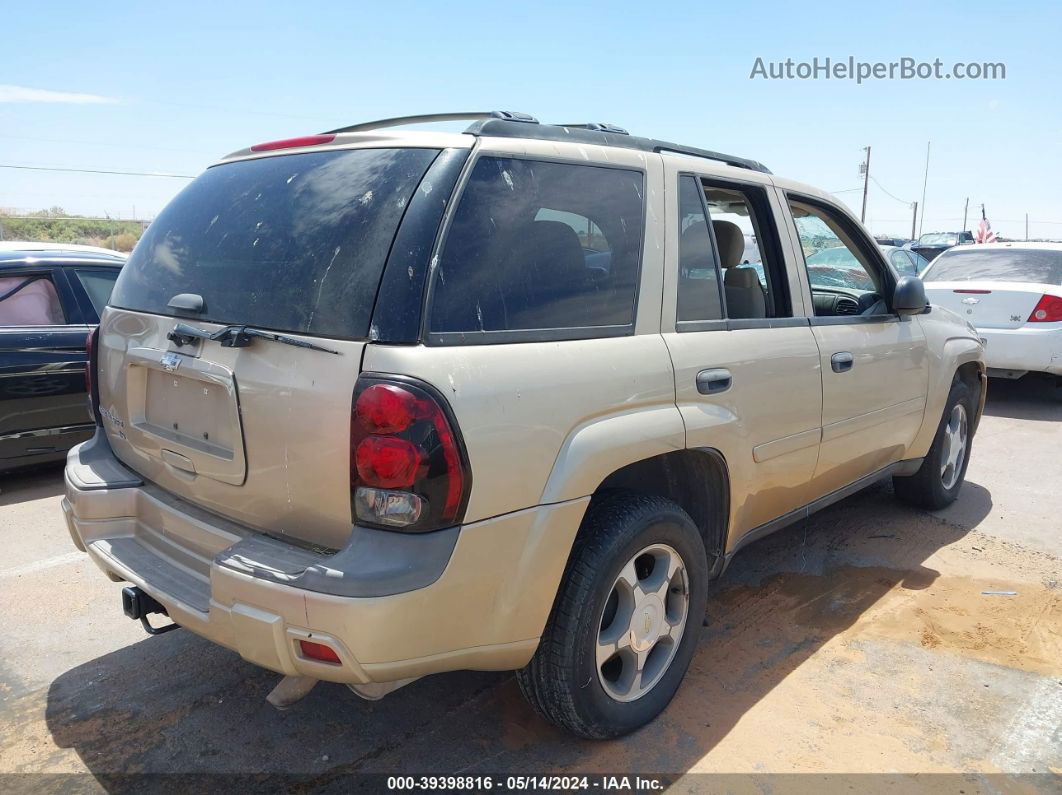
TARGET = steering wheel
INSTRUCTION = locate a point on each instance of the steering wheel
(871, 304)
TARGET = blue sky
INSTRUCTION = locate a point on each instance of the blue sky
(174, 87)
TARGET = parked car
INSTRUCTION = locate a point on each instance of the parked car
(897, 242)
(1012, 293)
(368, 409)
(931, 244)
(49, 301)
(904, 260)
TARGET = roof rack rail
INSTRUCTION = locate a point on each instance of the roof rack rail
(426, 118)
(662, 147)
(597, 126)
(602, 135)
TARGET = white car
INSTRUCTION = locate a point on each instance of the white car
(1012, 294)
(24, 245)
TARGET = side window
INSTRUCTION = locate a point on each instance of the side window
(753, 281)
(843, 278)
(98, 285)
(29, 300)
(537, 245)
(698, 285)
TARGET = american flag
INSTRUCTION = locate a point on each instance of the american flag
(984, 231)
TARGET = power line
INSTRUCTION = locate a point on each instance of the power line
(891, 196)
(100, 171)
(119, 144)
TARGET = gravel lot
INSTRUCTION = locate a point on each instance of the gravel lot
(859, 642)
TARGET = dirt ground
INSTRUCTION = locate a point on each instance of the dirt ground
(871, 639)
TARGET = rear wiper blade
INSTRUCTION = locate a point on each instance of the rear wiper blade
(237, 337)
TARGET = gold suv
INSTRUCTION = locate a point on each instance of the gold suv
(373, 405)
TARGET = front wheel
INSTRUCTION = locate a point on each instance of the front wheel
(937, 483)
(626, 620)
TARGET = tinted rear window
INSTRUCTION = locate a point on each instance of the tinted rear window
(998, 265)
(538, 245)
(293, 243)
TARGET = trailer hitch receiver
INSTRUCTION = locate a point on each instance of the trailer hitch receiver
(139, 605)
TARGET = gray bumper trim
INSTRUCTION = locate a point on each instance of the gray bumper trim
(92, 466)
(373, 563)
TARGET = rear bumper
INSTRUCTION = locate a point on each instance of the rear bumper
(392, 606)
(1023, 349)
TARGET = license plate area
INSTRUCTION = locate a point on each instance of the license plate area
(189, 411)
(189, 407)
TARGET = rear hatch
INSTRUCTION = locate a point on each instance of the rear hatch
(252, 427)
(993, 288)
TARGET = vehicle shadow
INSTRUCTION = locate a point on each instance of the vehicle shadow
(177, 704)
(38, 483)
(1032, 397)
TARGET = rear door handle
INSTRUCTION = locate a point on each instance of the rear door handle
(841, 362)
(712, 382)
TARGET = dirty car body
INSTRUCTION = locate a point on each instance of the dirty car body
(440, 387)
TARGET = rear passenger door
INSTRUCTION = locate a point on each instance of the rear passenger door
(42, 366)
(746, 365)
(874, 363)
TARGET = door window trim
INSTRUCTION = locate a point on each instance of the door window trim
(747, 189)
(860, 239)
(512, 336)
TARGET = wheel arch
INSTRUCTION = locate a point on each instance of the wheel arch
(697, 480)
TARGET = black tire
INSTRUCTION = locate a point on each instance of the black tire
(561, 682)
(925, 488)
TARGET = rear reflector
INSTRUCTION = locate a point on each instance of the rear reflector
(1048, 310)
(293, 143)
(318, 651)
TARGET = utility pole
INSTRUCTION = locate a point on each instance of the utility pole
(965, 210)
(925, 180)
(1026, 227)
(914, 219)
(866, 184)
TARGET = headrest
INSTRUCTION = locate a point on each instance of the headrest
(742, 277)
(695, 247)
(549, 248)
(731, 242)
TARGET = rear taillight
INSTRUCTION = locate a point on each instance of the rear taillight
(293, 143)
(90, 373)
(408, 470)
(1048, 310)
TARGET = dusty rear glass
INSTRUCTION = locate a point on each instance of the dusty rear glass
(292, 243)
(998, 265)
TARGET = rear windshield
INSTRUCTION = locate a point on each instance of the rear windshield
(293, 243)
(998, 265)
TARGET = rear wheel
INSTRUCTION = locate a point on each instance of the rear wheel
(626, 620)
(938, 481)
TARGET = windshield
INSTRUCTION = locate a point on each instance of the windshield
(938, 239)
(292, 243)
(997, 265)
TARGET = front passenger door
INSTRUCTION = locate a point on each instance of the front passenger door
(874, 363)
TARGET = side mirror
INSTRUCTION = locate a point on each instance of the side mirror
(909, 297)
